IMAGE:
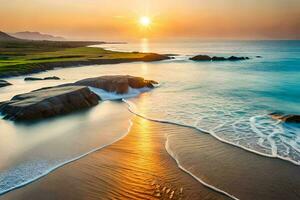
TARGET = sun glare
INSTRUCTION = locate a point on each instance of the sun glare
(145, 21)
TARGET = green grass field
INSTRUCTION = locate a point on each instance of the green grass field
(26, 55)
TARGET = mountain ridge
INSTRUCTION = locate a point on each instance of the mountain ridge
(29, 35)
(6, 37)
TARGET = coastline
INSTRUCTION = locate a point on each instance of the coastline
(254, 173)
(28, 57)
(154, 158)
(41, 67)
(136, 167)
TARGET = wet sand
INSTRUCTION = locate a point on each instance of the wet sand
(136, 167)
(139, 167)
(238, 172)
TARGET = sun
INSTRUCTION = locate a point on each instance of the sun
(145, 21)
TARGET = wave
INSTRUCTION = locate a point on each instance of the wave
(172, 154)
(274, 155)
(131, 108)
(45, 173)
(132, 92)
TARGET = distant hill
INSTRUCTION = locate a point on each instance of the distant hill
(6, 37)
(36, 36)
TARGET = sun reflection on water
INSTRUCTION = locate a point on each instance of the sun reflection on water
(144, 45)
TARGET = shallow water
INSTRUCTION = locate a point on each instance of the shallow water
(230, 100)
(29, 151)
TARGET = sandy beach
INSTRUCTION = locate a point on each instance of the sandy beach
(136, 167)
(134, 100)
(139, 167)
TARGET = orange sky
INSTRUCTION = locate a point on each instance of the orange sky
(118, 19)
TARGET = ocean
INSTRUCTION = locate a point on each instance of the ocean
(231, 101)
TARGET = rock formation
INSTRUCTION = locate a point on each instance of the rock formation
(217, 58)
(4, 83)
(48, 102)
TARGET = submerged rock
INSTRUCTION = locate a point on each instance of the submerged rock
(41, 79)
(48, 102)
(286, 118)
(201, 58)
(217, 58)
(234, 58)
(119, 84)
(4, 83)
(52, 78)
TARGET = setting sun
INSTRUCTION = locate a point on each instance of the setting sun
(145, 21)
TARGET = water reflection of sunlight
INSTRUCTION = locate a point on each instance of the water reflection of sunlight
(145, 143)
(144, 45)
(143, 129)
(144, 68)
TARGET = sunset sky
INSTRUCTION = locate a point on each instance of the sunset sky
(119, 19)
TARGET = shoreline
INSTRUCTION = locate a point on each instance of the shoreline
(65, 163)
(137, 167)
(213, 135)
(286, 169)
(28, 57)
(155, 142)
(41, 67)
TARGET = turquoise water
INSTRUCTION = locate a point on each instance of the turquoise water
(229, 100)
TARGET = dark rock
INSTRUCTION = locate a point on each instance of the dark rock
(4, 83)
(258, 56)
(216, 58)
(52, 78)
(41, 79)
(234, 58)
(119, 84)
(67, 98)
(201, 58)
(48, 102)
(32, 79)
(286, 118)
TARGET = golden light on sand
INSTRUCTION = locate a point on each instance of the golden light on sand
(145, 21)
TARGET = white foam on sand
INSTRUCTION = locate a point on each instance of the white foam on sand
(132, 109)
(105, 96)
(45, 173)
(173, 155)
(212, 133)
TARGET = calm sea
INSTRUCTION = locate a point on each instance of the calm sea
(229, 100)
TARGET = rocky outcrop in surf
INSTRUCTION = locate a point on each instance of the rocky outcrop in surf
(216, 58)
(286, 118)
(4, 83)
(41, 79)
(48, 102)
(67, 98)
(119, 84)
